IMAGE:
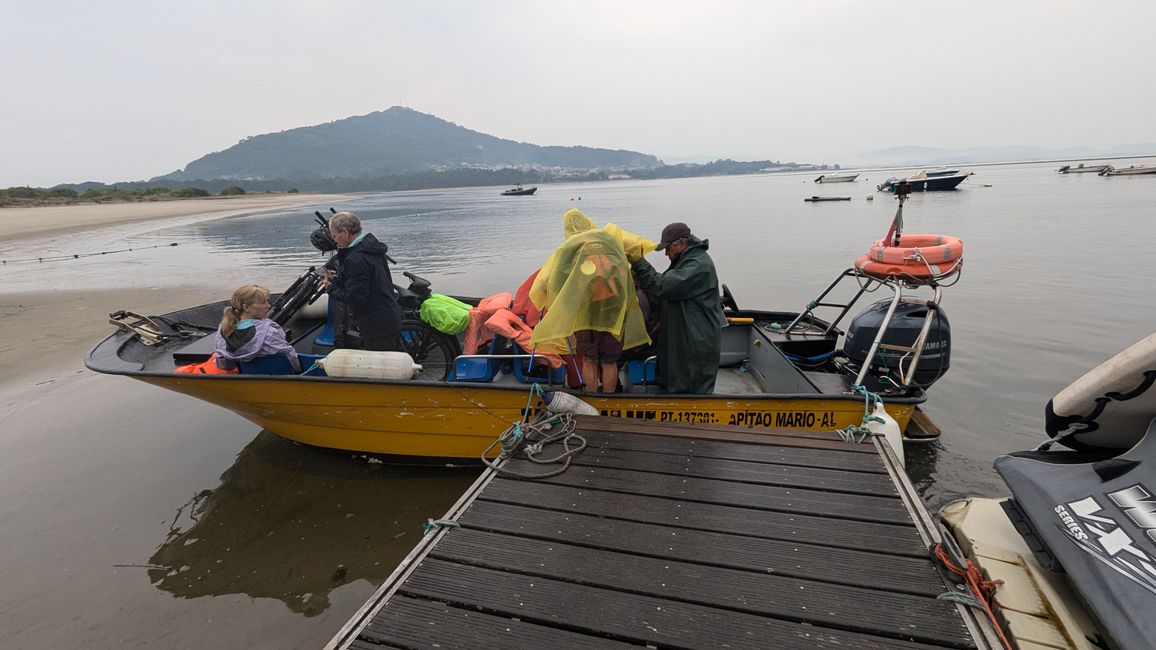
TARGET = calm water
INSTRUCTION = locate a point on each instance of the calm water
(142, 517)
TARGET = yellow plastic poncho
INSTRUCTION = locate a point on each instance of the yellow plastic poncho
(587, 285)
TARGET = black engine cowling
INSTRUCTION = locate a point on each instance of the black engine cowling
(903, 330)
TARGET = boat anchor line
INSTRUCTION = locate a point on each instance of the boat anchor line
(76, 256)
(530, 439)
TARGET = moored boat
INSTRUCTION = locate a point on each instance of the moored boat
(837, 178)
(788, 370)
(520, 191)
(1132, 170)
(1082, 169)
(923, 182)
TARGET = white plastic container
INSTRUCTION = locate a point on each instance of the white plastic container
(890, 430)
(557, 402)
(369, 364)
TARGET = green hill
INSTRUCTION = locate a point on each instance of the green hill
(388, 143)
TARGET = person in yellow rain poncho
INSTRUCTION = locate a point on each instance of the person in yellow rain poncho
(586, 286)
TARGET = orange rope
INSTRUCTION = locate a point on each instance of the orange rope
(982, 589)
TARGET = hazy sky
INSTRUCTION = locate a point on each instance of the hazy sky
(129, 89)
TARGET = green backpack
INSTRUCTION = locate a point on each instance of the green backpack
(445, 314)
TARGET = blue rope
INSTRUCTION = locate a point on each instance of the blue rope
(859, 433)
(431, 525)
(817, 357)
(535, 389)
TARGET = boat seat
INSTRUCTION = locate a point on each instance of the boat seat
(540, 373)
(278, 364)
(642, 371)
(640, 376)
(479, 369)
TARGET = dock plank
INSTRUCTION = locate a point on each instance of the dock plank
(801, 525)
(828, 458)
(629, 617)
(410, 622)
(677, 536)
(807, 601)
(840, 566)
(857, 507)
(742, 471)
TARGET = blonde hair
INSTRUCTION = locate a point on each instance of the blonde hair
(250, 294)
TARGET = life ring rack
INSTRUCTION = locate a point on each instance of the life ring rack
(918, 257)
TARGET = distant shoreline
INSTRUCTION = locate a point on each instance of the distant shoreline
(58, 202)
(24, 222)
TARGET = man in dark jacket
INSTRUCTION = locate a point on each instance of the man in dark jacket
(690, 326)
(364, 284)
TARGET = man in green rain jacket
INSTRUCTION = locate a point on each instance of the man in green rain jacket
(690, 329)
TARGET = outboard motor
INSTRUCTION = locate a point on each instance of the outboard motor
(904, 328)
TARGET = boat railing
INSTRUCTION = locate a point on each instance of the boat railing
(906, 369)
(801, 323)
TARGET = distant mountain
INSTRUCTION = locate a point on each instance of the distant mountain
(917, 156)
(391, 142)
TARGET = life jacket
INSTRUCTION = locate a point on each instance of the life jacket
(523, 306)
(507, 324)
(207, 367)
(476, 334)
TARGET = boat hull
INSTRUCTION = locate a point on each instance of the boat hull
(1130, 171)
(930, 184)
(457, 421)
(1082, 169)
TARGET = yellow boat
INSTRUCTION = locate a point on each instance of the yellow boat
(777, 370)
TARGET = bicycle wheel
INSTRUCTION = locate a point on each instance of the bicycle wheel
(433, 350)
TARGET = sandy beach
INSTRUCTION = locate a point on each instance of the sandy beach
(46, 333)
(19, 223)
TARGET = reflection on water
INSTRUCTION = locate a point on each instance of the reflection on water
(292, 523)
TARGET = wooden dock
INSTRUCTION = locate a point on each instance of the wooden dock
(678, 536)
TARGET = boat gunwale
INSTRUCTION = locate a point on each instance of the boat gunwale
(117, 339)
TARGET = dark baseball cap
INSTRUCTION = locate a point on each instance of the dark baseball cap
(672, 233)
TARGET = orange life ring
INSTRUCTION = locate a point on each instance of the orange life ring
(918, 250)
(868, 266)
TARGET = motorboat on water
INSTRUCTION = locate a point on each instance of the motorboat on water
(1082, 169)
(1075, 544)
(820, 199)
(520, 191)
(837, 178)
(922, 181)
(1132, 170)
(783, 370)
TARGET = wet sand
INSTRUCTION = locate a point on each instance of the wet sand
(47, 332)
(136, 517)
(19, 223)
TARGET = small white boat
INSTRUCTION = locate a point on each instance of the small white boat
(1133, 170)
(1082, 169)
(837, 178)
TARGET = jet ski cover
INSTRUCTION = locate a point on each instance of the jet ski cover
(1098, 521)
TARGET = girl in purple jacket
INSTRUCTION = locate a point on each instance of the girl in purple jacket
(246, 332)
